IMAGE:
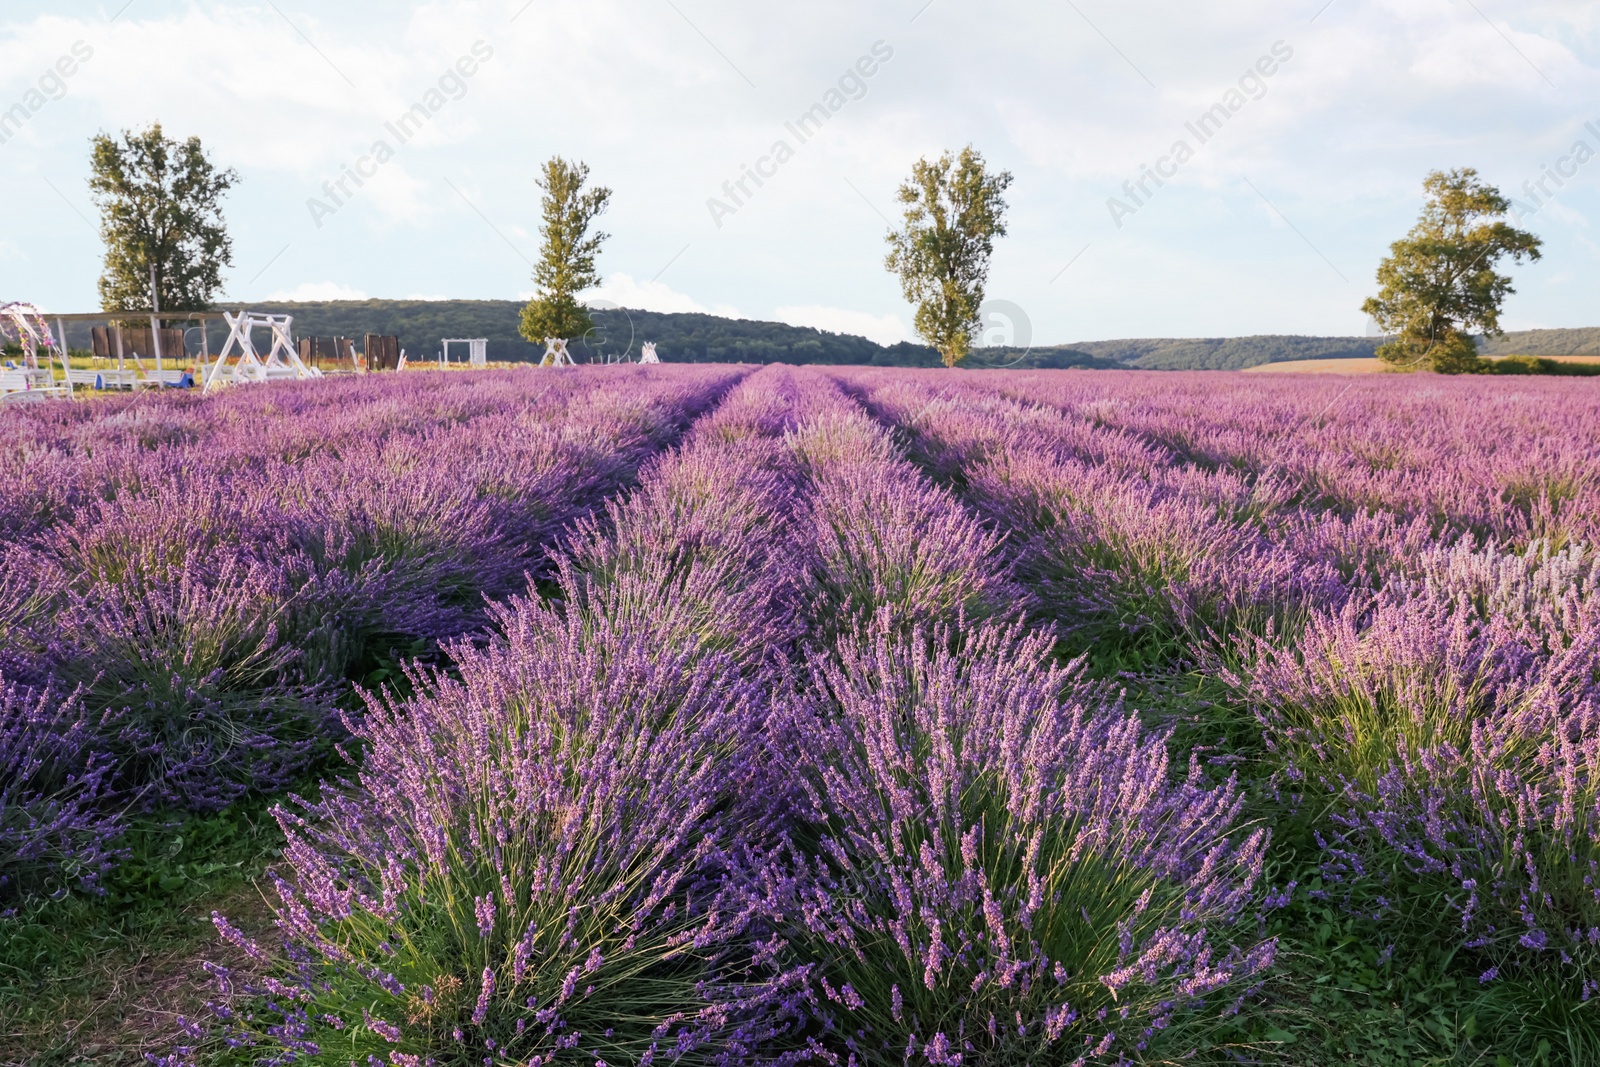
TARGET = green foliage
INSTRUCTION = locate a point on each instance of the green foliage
(160, 205)
(1447, 352)
(1439, 285)
(1576, 342)
(1539, 365)
(1236, 353)
(566, 262)
(1369, 973)
(1519, 365)
(1227, 353)
(954, 209)
(1053, 357)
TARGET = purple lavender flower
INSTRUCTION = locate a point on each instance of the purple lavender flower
(993, 831)
(53, 834)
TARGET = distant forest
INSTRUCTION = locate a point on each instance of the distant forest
(696, 338)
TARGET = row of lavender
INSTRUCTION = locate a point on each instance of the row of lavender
(1397, 582)
(773, 773)
(187, 584)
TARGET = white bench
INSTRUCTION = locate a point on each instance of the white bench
(101, 379)
(15, 383)
(19, 379)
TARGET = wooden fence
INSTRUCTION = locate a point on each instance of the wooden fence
(382, 352)
(136, 341)
(328, 354)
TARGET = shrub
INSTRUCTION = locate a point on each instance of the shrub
(1539, 365)
(199, 696)
(1120, 553)
(1001, 870)
(707, 537)
(53, 835)
(542, 858)
(1518, 365)
(534, 861)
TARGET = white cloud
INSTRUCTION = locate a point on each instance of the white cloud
(624, 290)
(884, 329)
(319, 291)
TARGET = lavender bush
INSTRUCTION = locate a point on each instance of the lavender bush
(530, 868)
(1106, 539)
(1003, 870)
(52, 834)
(705, 539)
(888, 544)
(545, 859)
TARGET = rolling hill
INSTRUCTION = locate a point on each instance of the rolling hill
(682, 337)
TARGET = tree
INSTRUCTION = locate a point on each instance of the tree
(1439, 284)
(160, 206)
(566, 262)
(954, 209)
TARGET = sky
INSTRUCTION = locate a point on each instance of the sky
(1271, 217)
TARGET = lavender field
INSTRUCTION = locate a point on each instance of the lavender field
(721, 715)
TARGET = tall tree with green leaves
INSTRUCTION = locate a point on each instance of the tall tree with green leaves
(566, 261)
(160, 206)
(954, 209)
(1439, 284)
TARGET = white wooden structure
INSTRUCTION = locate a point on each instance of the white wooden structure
(477, 350)
(27, 323)
(281, 362)
(555, 353)
(647, 354)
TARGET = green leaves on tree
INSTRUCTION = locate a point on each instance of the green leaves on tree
(1439, 285)
(954, 209)
(160, 205)
(566, 260)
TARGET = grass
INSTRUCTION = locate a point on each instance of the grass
(102, 980)
(1351, 990)
(1348, 987)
